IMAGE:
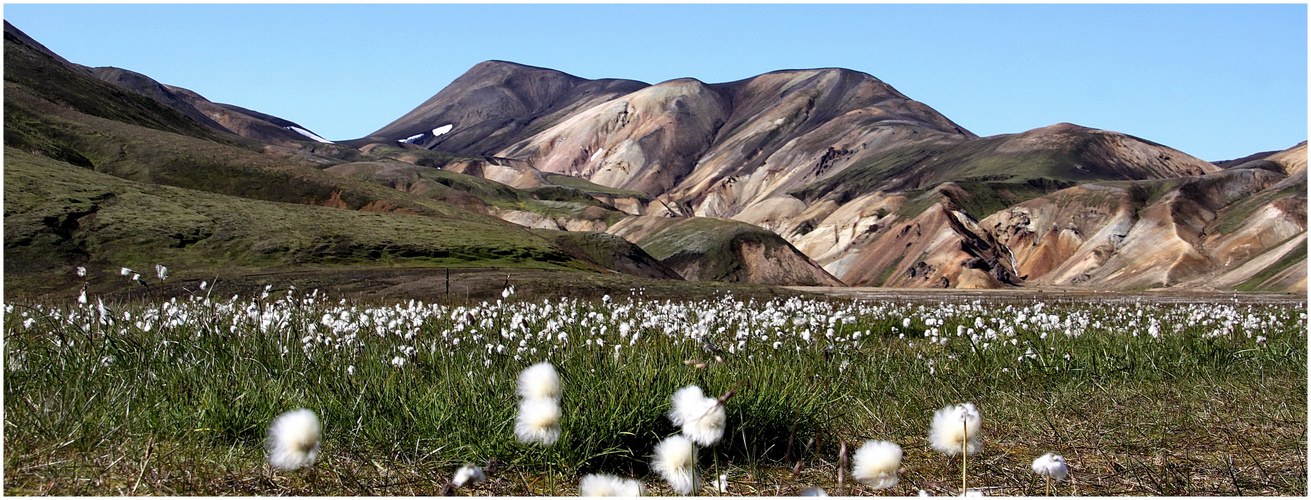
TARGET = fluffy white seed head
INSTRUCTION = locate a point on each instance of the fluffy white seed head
(701, 418)
(675, 461)
(721, 484)
(606, 485)
(876, 464)
(538, 421)
(1051, 465)
(293, 440)
(955, 427)
(468, 476)
(814, 491)
(539, 381)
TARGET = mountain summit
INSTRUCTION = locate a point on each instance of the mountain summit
(493, 104)
(876, 187)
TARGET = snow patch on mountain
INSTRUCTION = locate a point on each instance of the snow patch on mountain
(308, 134)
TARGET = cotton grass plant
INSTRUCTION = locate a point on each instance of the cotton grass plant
(293, 440)
(538, 420)
(448, 403)
(701, 419)
(608, 485)
(539, 381)
(675, 462)
(1051, 467)
(468, 475)
(876, 463)
(955, 429)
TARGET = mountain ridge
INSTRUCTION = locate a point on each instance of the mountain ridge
(832, 158)
(824, 176)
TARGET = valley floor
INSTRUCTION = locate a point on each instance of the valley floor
(1143, 394)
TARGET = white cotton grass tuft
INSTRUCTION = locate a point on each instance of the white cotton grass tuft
(875, 464)
(675, 461)
(956, 427)
(539, 381)
(538, 421)
(1052, 466)
(606, 485)
(293, 440)
(468, 475)
(701, 418)
(814, 491)
(721, 484)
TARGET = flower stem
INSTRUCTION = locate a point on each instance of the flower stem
(842, 466)
(964, 456)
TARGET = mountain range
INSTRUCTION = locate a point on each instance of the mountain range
(795, 177)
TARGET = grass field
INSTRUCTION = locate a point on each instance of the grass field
(175, 397)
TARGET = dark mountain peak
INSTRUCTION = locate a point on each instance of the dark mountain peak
(495, 71)
(484, 109)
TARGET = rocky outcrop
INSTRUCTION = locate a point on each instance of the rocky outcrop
(706, 249)
(939, 248)
(1194, 231)
(646, 141)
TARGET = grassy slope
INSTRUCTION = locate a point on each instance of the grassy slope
(593, 188)
(63, 124)
(610, 251)
(100, 220)
(52, 81)
(925, 165)
(445, 185)
(1259, 281)
(148, 155)
(708, 243)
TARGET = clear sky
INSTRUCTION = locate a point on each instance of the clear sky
(1215, 81)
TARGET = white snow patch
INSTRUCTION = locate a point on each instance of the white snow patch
(309, 134)
(411, 139)
(442, 130)
(597, 154)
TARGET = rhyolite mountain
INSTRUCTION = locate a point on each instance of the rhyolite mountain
(877, 188)
(812, 177)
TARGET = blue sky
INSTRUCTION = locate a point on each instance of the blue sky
(1215, 81)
